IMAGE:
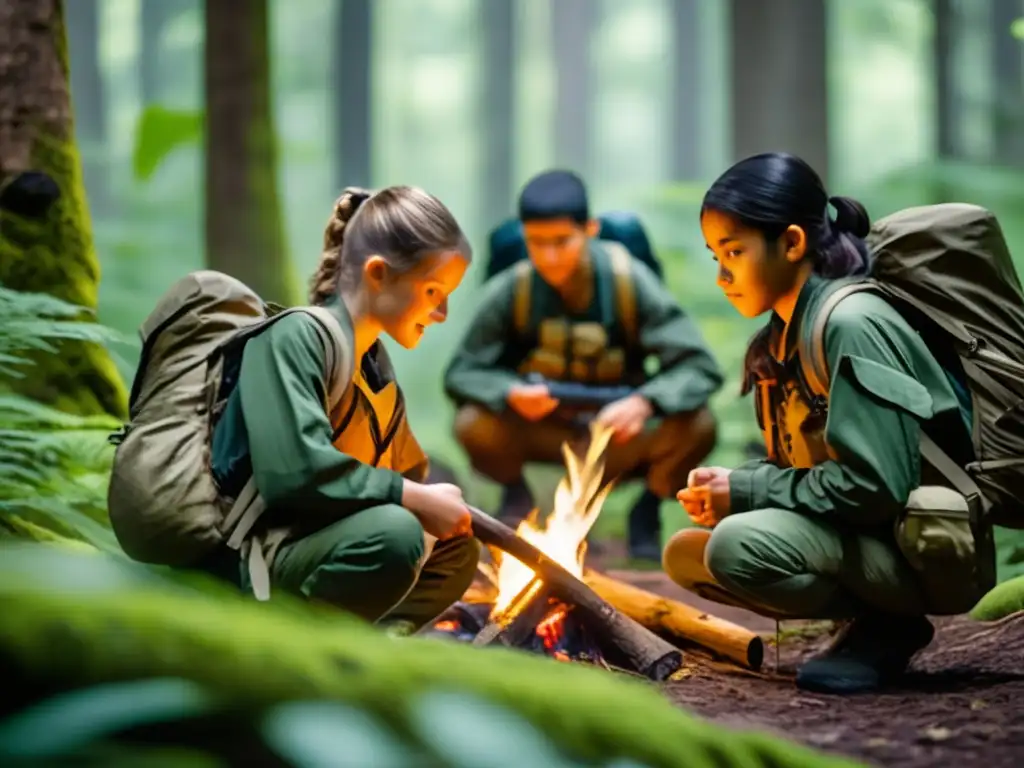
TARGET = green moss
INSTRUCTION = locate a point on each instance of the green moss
(74, 620)
(1001, 601)
(56, 256)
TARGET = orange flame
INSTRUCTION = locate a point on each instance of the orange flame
(562, 537)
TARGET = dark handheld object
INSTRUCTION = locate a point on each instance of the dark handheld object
(573, 393)
(507, 245)
(647, 653)
(29, 194)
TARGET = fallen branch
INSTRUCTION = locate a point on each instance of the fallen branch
(680, 622)
(649, 654)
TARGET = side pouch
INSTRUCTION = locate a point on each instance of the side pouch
(936, 536)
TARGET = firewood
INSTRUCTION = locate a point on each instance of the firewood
(680, 622)
(649, 654)
(524, 614)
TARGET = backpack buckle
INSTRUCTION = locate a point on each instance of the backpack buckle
(118, 437)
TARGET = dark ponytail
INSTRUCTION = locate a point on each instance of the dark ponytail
(773, 191)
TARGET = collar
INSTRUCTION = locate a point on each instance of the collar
(782, 348)
(376, 364)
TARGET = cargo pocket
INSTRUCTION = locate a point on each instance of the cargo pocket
(935, 535)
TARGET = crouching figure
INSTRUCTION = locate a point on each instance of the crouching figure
(862, 511)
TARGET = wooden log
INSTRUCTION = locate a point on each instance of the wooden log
(680, 622)
(649, 654)
(528, 610)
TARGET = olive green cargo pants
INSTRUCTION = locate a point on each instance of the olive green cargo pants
(378, 564)
(786, 565)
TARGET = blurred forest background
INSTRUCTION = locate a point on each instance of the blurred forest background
(219, 133)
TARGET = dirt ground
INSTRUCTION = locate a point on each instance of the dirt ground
(962, 704)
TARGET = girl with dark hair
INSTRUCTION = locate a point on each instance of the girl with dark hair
(809, 532)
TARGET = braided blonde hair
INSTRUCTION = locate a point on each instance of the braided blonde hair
(400, 224)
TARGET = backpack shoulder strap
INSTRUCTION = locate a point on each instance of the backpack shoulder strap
(625, 295)
(339, 365)
(812, 353)
(521, 296)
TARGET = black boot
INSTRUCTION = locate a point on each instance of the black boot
(516, 503)
(869, 653)
(644, 529)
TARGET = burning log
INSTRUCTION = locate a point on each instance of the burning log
(515, 625)
(680, 622)
(645, 652)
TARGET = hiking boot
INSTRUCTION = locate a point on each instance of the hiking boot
(644, 528)
(516, 503)
(868, 653)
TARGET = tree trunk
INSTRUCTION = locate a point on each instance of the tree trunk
(946, 112)
(54, 255)
(573, 22)
(499, 18)
(352, 93)
(685, 116)
(778, 63)
(244, 231)
(88, 92)
(1008, 94)
(154, 16)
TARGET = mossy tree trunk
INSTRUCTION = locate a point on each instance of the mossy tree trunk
(244, 231)
(54, 254)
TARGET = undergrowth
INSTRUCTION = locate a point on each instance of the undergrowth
(53, 466)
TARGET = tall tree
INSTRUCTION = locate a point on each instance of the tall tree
(154, 16)
(499, 22)
(1008, 76)
(685, 78)
(89, 93)
(352, 88)
(779, 94)
(946, 107)
(573, 22)
(244, 230)
(52, 254)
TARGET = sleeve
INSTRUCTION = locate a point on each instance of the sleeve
(876, 406)
(294, 461)
(688, 374)
(479, 371)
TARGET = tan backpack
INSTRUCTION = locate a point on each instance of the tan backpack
(948, 269)
(165, 507)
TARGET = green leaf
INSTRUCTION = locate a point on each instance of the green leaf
(1017, 29)
(160, 131)
(70, 721)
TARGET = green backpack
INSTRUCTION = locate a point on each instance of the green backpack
(165, 506)
(948, 270)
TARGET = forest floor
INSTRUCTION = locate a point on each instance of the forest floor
(962, 702)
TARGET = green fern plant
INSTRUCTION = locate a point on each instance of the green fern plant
(53, 466)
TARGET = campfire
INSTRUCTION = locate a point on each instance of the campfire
(536, 595)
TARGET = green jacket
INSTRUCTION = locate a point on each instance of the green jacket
(495, 354)
(860, 465)
(311, 464)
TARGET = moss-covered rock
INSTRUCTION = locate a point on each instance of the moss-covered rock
(1003, 600)
(74, 620)
(53, 254)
